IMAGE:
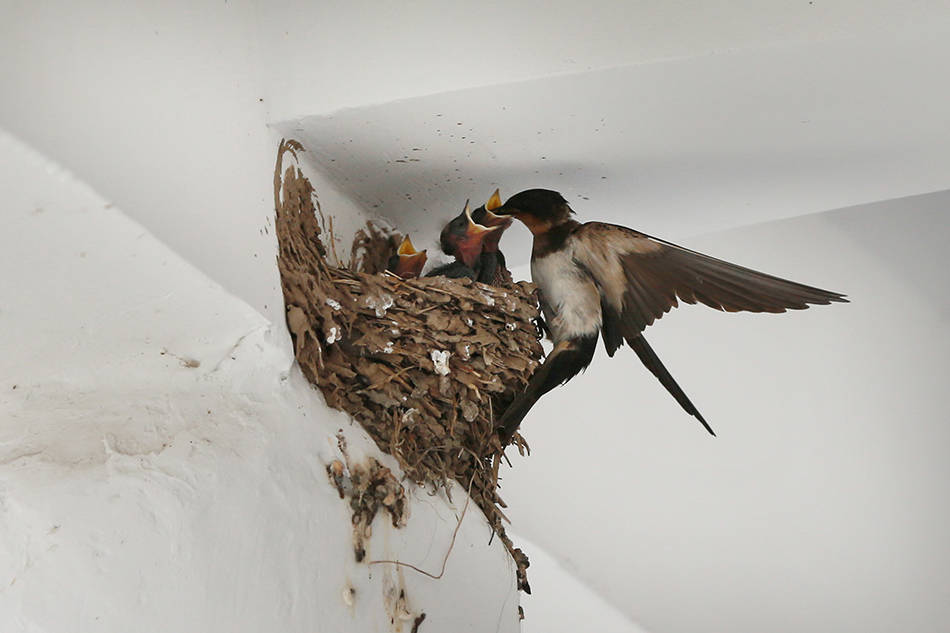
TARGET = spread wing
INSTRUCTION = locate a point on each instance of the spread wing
(641, 278)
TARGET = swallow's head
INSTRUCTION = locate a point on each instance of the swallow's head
(485, 216)
(464, 238)
(407, 262)
(539, 209)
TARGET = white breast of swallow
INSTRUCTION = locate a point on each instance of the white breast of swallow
(571, 297)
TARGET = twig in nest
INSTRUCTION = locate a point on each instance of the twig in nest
(475, 458)
(496, 463)
(336, 257)
(399, 281)
(445, 560)
(385, 380)
(429, 309)
(323, 218)
(469, 370)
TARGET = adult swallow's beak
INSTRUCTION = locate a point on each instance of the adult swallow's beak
(504, 211)
(535, 225)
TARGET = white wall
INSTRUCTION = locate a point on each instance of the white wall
(160, 106)
(161, 467)
(822, 505)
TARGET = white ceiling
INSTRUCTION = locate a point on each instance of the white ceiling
(674, 148)
(321, 57)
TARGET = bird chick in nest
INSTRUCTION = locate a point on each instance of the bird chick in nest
(407, 262)
(472, 238)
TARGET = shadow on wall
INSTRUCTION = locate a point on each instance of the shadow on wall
(925, 270)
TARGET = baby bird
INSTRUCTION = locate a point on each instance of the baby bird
(463, 239)
(493, 269)
(407, 262)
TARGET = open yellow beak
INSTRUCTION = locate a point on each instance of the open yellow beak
(406, 247)
(410, 262)
(473, 227)
(494, 202)
(494, 219)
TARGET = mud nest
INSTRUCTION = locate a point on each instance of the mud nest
(424, 365)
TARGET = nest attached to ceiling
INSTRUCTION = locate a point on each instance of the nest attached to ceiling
(424, 365)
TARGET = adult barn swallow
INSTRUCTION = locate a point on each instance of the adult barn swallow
(464, 239)
(599, 278)
(407, 262)
(493, 269)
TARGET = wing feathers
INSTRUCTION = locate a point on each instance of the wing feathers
(652, 362)
(643, 278)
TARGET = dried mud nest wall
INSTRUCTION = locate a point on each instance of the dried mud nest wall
(424, 365)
